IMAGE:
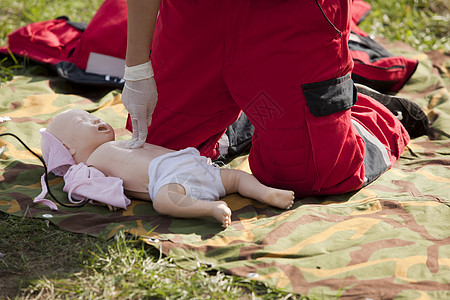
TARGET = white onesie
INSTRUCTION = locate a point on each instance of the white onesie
(186, 167)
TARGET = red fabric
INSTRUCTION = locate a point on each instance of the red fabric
(387, 74)
(382, 124)
(357, 30)
(395, 69)
(105, 34)
(215, 58)
(48, 42)
(360, 9)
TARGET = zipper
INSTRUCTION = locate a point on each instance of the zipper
(328, 20)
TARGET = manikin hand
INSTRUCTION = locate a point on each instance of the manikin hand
(139, 96)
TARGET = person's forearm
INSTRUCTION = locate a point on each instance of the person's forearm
(141, 25)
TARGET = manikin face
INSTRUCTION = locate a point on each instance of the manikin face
(80, 132)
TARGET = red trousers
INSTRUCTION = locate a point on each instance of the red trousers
(286, 64)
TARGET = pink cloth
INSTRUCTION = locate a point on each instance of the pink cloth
(56, 155)
(81, 182)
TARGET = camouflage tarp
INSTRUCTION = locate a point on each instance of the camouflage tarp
(389, 240)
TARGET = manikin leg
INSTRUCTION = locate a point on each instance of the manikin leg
(237, 181)
(172, 200)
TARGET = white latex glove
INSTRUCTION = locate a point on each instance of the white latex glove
(139, 95)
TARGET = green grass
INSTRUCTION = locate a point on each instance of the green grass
(126, 270)
(31, 248)
(40, 261)
(422, 24)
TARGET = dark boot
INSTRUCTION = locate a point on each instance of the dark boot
(408, 112)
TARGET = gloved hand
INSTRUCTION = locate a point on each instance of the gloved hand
(139, 96)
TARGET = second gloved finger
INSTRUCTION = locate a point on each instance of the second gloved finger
(142, 128)
(135, 134)
(141, 140)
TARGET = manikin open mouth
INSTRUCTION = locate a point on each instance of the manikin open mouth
(102, 128)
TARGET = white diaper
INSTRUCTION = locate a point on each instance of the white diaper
(188, 168)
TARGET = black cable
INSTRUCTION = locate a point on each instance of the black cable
(45, 173)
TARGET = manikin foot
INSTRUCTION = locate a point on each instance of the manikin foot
(279, 198)
(222, 213)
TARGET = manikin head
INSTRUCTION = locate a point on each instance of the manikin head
(80, 132)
